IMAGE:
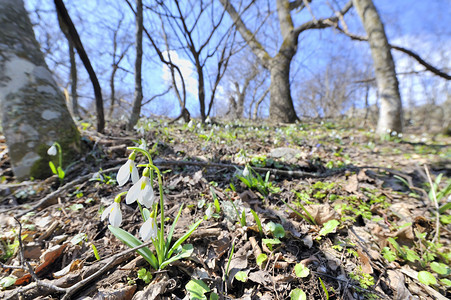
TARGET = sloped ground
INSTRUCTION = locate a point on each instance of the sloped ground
(343, 215)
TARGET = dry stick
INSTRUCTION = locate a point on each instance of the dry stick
(73, 289)
(28, 266)
(437, 218)
(300, 174)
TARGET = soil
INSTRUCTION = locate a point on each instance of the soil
(341, 214)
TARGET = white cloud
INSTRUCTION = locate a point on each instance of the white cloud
(189, 76)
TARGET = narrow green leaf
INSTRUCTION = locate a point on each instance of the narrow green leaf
(53, 168)
(171, 231)
(96, 253)
(324, 288)
(183, 238)
(257, 220)
(7, 282)
(133, 242)
(183, 252)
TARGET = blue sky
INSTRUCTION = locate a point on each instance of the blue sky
(419, 25)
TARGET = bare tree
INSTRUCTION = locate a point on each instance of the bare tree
(66, 20)
(191, 34)
(390, 112)
(138, 97)
(33, 110)
(281, 104)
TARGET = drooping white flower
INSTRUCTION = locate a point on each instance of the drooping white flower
(245, 172)
(209, 211)
(52, 150)
(127, 169)
(142, 191)
(114, 213)
(148, 230)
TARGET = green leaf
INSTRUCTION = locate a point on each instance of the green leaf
(261, 258)
(270, 242)
(445, 281)
(7, 282)
(144, 275)
(146, 214)
(388, 254)
(182, 252)
(61, 173)
(298, 294)
(440, 268)
(257, 220)
(96, 253)
(276, 229)
(171, 231)
(411, 255)
(426, 278)
(52, 167)
(197, 289)
(241, 276)
(214, 296)
(301, 271)
(445, 207)
(183, 238)
(324, 288)
(243, 218)
(329, 227)
(133, 242)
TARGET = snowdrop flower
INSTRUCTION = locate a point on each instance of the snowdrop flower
(209, 211)
(128, 169)
(142, 191)
(52, 150)
(208, 120)
(114, 213)
(149, 229)
(190, 124)
(245, 172)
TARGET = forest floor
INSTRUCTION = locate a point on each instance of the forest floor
(327, 211)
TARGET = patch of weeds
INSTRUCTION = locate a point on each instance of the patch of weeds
(253, 180)
(365, 280)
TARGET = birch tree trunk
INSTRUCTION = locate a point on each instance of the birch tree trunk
(136, 110)
(390, 112)
(33, 110)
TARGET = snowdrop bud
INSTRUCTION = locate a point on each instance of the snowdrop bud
(209, 211)
(52, 150)
(245, 172)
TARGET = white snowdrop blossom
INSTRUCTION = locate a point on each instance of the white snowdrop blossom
(209, 211)
(126, 170)
(142, 191)
(245, 172)
(52, 150)
(148, 230)
(190, 124)
(114, 213)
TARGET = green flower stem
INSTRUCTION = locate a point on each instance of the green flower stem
(60, 154)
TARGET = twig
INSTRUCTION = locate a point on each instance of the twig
(434, 197)
(298, 174)
(108, 265)
(60, 191)
(28, 266)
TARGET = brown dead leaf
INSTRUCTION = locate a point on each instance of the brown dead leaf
(365, 260)
(121, 293)
(48, 258)
(352, 184)
(322, 213)
(261, 277)
(73, 266)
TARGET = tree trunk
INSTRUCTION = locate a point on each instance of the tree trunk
(281, 107)
(138, 64)
(390, 113)
(33, 110)
(73, 80)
